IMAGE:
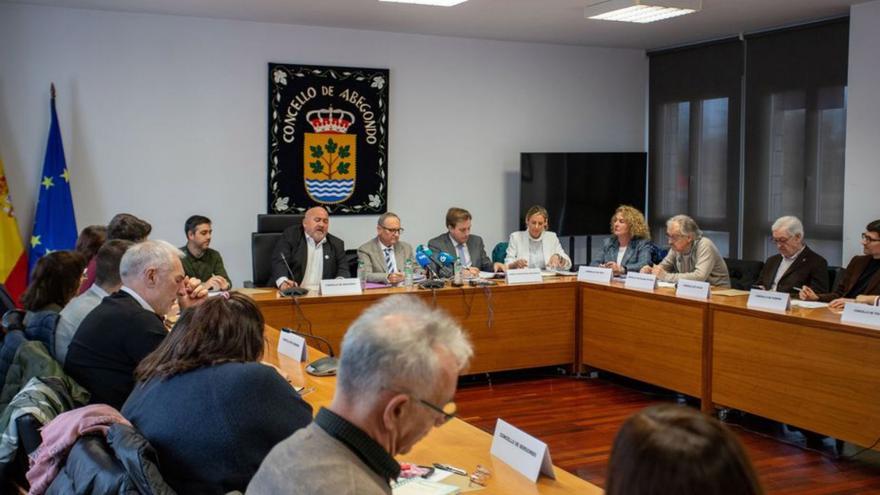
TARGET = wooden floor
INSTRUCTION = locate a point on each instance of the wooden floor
(578, 418)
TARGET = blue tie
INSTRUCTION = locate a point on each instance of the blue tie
(460, 250)
(389, 261)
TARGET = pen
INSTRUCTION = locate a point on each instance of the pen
(451, 469)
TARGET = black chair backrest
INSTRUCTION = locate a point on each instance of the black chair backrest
(270, 222)
(743, 273)
(262, 245)
(834, 274)
(351, 258)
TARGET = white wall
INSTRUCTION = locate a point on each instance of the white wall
(860, 203)
(165, 116)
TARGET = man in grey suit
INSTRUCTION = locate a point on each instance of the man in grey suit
(385, 255)
(459, 242)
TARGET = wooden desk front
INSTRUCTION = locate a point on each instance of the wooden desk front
(511, 326)
(456, 442)
(803, 368)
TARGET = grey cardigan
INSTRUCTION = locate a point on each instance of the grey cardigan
(703, 262)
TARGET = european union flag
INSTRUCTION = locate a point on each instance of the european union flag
(54, 225)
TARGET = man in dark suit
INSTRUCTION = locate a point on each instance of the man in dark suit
(311, 251)
(796, 265)
(126, 326)
(459, 242)
(861, 278)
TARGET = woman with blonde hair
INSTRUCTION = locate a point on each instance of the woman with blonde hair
(535, 247)
(629, 248)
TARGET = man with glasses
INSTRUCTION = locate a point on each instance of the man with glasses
(127, 325)
(796, 265)
(397, 378)
(861, 278)
(691, 256)
(385, 255)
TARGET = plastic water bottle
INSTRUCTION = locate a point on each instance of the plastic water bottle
(408, 273)
(362, 274)
(456, 272)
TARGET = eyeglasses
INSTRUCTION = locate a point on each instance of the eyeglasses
(869, 239)
(781, 240)
(393, 231)
(676, 237)
(448, 410)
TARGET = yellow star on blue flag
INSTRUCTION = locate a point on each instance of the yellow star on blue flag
(54, 223)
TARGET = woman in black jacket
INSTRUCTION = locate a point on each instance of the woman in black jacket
(207, 405)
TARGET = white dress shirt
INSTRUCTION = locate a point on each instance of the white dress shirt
(314, 271)
(462, 253)
(784, 265)
(137, 297)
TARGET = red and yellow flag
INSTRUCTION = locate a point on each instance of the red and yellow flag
(13, 257)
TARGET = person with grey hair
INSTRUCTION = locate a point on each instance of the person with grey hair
(385, 255)
(126, 326)
(691, 256)
(397, 378)
(796, 266)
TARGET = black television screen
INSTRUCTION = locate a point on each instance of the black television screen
(581, 190)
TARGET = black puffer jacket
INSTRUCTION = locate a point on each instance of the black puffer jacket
(124, 463)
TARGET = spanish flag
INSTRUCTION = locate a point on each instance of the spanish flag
(13, 257)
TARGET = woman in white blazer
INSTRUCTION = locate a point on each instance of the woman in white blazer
(535, 247)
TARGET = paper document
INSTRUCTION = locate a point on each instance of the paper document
(808, 304)
(669, 285)
(730, 292)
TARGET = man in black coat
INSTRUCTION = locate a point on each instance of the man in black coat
(796, 265)
(126, 326)
(312, 253)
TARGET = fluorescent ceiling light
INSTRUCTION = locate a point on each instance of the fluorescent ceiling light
(436, 3)
(640, 11)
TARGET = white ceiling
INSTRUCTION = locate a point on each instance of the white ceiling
(546, 21)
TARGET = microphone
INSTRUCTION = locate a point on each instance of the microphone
(446, 259)
(423, 257)
(325, 366)
(292, 291)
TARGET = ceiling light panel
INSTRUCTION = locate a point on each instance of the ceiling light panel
(435, 3)
(639, 11)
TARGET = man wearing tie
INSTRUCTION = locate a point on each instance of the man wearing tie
(458, 241)
(385, 255)
(312, 253)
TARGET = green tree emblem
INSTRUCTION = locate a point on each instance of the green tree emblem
(329, 159)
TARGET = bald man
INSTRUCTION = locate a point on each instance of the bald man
(311, 251)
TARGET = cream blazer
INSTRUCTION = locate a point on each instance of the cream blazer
(518, 248)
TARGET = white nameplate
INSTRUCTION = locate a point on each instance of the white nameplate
(292, 345)
(768, 299)
(524, 276)
(341, 287)
(693, 289)
(864, 314)
(595, 274)
(641, 281)
(521, 451)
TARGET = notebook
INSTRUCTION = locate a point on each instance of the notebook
(421, 486)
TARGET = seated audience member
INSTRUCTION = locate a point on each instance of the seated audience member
(90, 241)
(629, 247)
(54, 282)
(310, 250)
(107, 282)
(535, 247)
(458, 241)
(861, 278)
(207, 405)
(122, 226)
(674, 449)
(200, 261)
(796, 265)
(397, 378)
(385, 255)
(126, 326)
(691, 256)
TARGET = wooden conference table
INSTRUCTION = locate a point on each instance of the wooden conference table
(456, 442)
(802, 367)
